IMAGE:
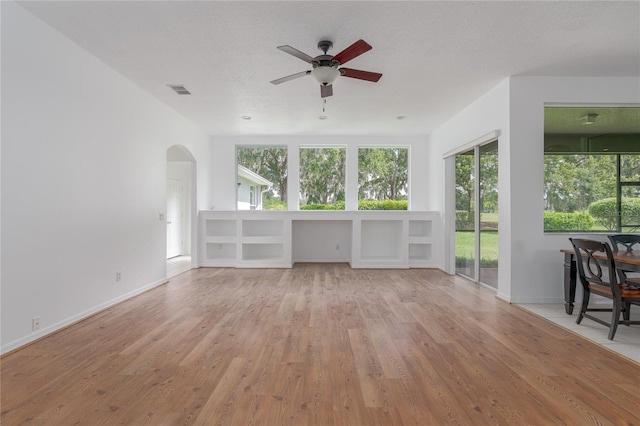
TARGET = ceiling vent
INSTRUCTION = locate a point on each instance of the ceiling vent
(179, 89)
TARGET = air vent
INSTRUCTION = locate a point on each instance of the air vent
(179, 89)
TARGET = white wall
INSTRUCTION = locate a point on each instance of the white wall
(83, 180)
(224, 173)
(536, 261)
(487, 114)
(530, 261)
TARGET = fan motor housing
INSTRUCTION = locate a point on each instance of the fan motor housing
(325, 45)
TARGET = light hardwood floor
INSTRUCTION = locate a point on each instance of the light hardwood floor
(317, 345)
(177, 265)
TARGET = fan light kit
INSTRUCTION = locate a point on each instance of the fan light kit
(325, 67)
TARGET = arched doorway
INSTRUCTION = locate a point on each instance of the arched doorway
(181, 210)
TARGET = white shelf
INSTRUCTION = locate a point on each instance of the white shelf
(419, 240)
(277, 239)
(221, 240)
(420, 252)
(420, 228)
(381, 240)
(262, 228)
(220, 227)
(261, 251)
(217, 251)
(263, 240)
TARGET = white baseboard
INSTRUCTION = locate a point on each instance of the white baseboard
(76, 318)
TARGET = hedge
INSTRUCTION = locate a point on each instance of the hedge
(558, 221)
(606, 214)
(382, 204)
(362, 205)
(337, 206)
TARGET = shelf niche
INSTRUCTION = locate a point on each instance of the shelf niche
(220, 227)
(321, 240)
(381, 239)
(420, 228)
(220, 251)
(262, 228)
(261, 251)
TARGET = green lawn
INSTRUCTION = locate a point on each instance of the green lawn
(465, 242)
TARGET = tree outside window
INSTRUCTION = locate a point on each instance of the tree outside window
(383, 178)
(266, 172)
(322, 178)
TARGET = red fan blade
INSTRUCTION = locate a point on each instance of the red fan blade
(291, 77)
(326, 91)
(355, 50)
(295, 52)
(360, 75)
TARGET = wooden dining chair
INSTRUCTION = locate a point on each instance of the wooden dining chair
(628, 242)
(599, 277)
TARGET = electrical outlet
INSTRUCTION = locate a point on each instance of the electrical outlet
(337, 246)
(118, 276)
(35, 323)
(161, 216)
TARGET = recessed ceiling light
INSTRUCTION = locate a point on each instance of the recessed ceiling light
(246, 117)
(401, 117)
(323, 117)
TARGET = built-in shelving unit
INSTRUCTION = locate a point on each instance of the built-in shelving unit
(277, 239)
(265, 242)
(420, 243)
(382, 244)
(219, 242)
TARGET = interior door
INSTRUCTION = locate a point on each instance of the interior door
(175, 194)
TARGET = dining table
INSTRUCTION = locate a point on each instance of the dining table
(624, 259)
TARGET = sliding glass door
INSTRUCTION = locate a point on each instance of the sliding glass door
(465, 239)
(488, 183)
(476, 200)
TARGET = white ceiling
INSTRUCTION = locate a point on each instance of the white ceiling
(436, 57)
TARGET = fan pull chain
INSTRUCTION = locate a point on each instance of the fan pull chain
(324, 102)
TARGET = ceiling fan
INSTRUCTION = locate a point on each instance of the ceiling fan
(325, 67)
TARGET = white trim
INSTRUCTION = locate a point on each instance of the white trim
(482, 140)
(77, 317)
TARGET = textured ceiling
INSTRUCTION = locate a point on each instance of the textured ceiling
(436, 57)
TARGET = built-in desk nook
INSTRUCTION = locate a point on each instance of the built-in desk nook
(278, 239)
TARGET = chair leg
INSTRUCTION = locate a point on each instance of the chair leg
(615, 318)
(583, 308)
(626, 314)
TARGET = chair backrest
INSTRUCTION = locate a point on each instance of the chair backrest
(628, 241)
(590, 269)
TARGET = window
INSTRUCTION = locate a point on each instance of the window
(383, 178)
(261, 178)
(322, 178)
(592, 169)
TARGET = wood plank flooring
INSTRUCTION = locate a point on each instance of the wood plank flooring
(319, 344)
